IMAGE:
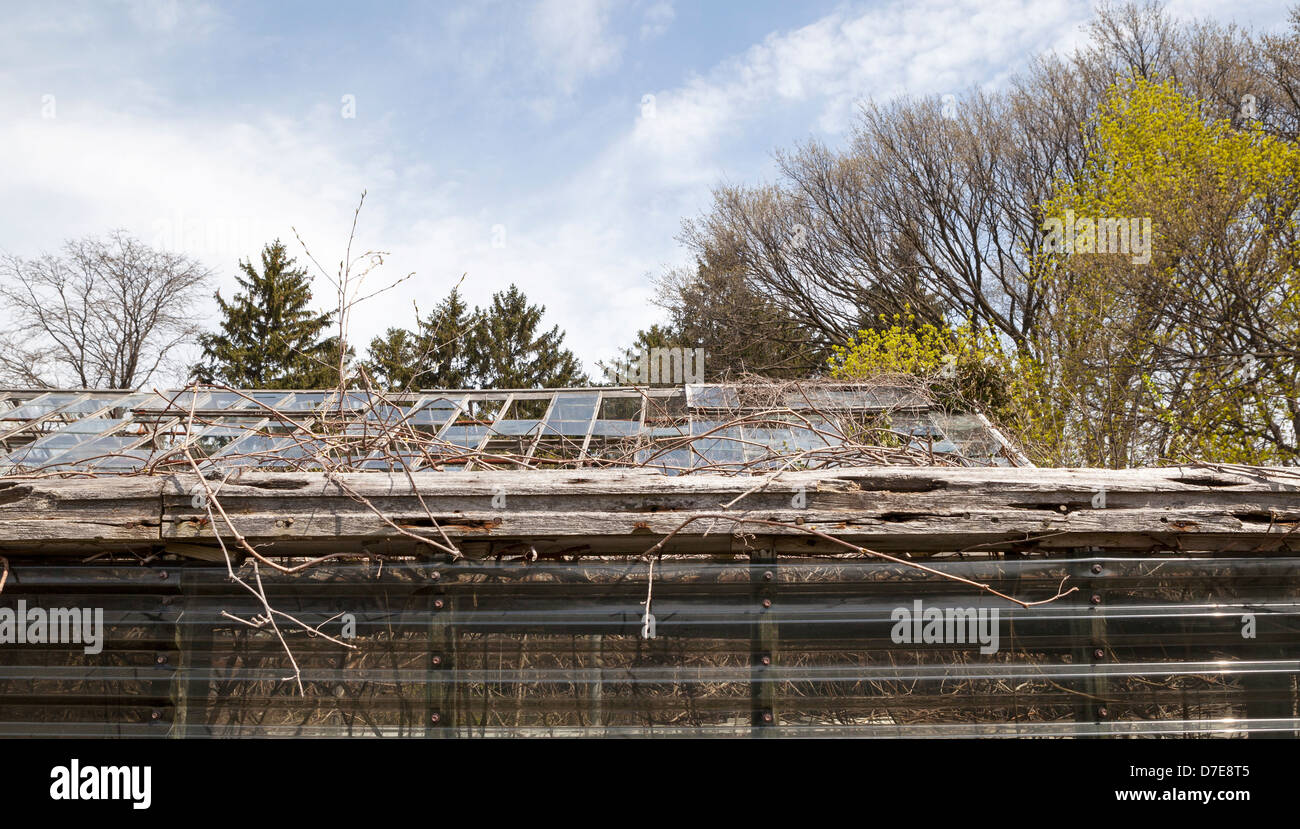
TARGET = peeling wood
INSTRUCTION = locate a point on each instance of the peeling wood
(886, 508)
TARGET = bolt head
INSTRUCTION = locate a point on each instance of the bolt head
(435, 718)
(437, 660)
(1096, 568)
(160, 659)
(1098, 654)
(1096, 598)
(766, 660)
(162, 575)
(155, 714)
(437, 604)
(1103, 712)
(767, 575)
(767, 716)
(435, 575)
(767, 603)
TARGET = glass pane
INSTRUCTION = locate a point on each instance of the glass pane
(253, 443)
(616, 428)
(177, 403)
(270, 399)
(715, 449)
(515, 427)
(40, 407)
(216, 437)
(125, 460)
(619, 417)
(225, 400)
(711, 397)
(467, 435)
(571, 414)
(574, 406)
(433, 412)
(304, 401)
(106, 445)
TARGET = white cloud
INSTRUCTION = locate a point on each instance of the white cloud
(219, 188)
(214, 190)
(584, 249)
(574, 40)
(657, 19)
(1262, 14)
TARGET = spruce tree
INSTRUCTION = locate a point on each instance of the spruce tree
(389, 364)
(506, 350)
(270, 338)
(434, 356)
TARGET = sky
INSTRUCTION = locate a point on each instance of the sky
(553, 144)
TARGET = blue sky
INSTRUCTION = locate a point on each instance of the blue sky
(556, 145)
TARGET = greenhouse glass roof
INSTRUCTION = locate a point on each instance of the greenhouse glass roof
(677, 430)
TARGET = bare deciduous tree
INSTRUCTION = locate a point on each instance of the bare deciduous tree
(102, 313)
(934, 206)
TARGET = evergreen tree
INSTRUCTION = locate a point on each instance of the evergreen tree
(390, 362)
(506, 351)
(741, 329)
(434, 356)
(270, 338)
(656, 336)
(453, 347)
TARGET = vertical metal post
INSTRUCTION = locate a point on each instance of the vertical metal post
(1090, 645)
(764, 650)
(440, 691)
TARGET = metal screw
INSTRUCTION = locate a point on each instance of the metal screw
(435, 575)
(162, 575)
(1103, 712)
(155, 714)
(766, 660)
(437, 660)
(767, 575)
(767, 603)
(1098, 654)
(1096, 568)
(435, 718)
(767, 716)
(161, 659)
(1096, 598)
(437, 604)
(799, 520)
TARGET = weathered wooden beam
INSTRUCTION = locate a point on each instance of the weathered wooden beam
(916, 509)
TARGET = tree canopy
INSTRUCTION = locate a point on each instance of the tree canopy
(934, 225)
(102, 313)
(270, 338)
(500, 346)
